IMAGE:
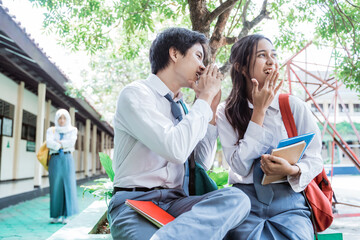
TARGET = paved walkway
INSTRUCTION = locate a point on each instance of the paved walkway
(31, 219)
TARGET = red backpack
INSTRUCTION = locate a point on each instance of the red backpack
(318, 193)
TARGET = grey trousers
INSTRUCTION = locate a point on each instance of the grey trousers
(209, 216)
(287, 217)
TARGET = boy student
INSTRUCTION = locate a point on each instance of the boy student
(153, 142)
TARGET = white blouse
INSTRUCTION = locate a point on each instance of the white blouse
(259, 140)
(67, 143)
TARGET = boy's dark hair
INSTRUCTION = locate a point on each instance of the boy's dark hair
(180, 38)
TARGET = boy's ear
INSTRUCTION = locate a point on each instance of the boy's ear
(174, 54)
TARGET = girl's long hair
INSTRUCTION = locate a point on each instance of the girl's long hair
(237, 110)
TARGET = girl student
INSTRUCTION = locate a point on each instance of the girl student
(250, 126)
(61, 141)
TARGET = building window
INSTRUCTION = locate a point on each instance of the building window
(331, 107)
(346, 109)
(356, 107)
(314, 108)
(6, 118)
(28, 131)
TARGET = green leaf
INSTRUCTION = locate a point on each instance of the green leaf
(220, 176)
(107, 164)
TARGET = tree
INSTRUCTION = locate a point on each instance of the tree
(93, 24)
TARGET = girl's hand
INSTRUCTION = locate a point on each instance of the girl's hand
(272, 165)
(261, 99)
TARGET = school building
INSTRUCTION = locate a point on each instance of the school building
(32, 89)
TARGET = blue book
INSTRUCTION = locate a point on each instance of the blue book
(290, 149)
(307, 138)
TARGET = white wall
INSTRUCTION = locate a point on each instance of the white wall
(8, 93)
(7, 157)
(8, 89)
(26, 163)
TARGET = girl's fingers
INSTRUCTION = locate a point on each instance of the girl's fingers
(268, 82)
(255, 86)
(275, 78)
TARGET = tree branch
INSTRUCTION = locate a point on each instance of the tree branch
(220, 9)
(244, 12)
(199, 15)
(352, 4)
(247, 26)
(232, 25)
(217, 39)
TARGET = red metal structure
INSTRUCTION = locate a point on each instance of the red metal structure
(321, 85)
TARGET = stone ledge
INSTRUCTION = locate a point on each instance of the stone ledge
(85, 223)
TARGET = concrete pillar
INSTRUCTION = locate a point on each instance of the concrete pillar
(39, 131)
(79, 147)
(110, 147)
(351, 108)
(46, 126)
(18, 127)
(107, 144)
(72, 116)
(93, 149)
(102, 147)
(87, 147)
(47, 117)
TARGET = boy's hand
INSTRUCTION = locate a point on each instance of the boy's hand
(214, 105)
(209, 84)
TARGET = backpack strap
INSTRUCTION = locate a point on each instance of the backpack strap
(291, 130)
(287, 115)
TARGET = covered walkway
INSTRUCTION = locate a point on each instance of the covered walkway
(31, 219)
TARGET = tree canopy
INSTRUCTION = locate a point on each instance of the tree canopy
(118, 33)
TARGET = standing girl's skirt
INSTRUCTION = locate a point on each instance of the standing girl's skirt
(63, 199)
(287, 216)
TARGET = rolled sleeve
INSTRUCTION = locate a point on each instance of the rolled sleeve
(259, 136)
(204, 108)
(205, 150)
(240, 155)
(51, 142)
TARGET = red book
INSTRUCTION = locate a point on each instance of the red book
(150, 211)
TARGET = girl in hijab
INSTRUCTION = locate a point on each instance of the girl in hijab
(61, 141)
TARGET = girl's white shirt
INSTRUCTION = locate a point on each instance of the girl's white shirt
(53, 134)
(67, 143)
(259, 140)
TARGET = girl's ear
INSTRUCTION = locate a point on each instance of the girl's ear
(245, 72)
(174, 54)
(237, 67)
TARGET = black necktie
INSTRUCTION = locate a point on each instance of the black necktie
(175, 108)
(264, 193)
(176, 112)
